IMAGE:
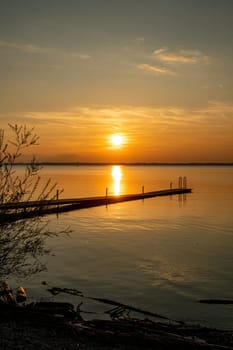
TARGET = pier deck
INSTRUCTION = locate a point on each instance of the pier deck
(21, 210)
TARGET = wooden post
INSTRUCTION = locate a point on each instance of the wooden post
(180, 181)
(106, 193)
(142, 189)
(57, 196)
(1, 144)
(185, 182)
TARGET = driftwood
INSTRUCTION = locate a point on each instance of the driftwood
(144, 334)
(37, 321)
(119, 308)
(216, 301)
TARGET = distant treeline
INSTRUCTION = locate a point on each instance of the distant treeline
(130, 164)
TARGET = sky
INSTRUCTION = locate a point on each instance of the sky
(157, 73)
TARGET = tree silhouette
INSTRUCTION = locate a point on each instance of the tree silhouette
(22, 243)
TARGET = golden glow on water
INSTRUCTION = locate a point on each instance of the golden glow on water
(117, 175)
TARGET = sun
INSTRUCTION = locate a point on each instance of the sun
(117, 140)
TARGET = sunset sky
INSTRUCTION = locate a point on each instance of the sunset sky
(157, 73)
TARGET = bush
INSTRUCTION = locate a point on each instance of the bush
(15, 187)
(21, 242)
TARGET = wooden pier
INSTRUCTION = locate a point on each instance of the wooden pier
(22, 210)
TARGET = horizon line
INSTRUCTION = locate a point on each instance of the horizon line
(128, 163)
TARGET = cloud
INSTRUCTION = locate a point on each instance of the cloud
(35, 49)
(84, 57)
(180, 56)
(169, 57)
(30, 48)
(139, 40)
(155, 69)
(214, 113)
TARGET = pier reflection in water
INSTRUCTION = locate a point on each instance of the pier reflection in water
(117, 175)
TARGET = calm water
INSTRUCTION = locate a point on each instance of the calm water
(160, 254)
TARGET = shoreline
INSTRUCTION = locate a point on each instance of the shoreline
(58, 325)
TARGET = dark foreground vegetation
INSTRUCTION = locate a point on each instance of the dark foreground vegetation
(58, 326)
(61, 325)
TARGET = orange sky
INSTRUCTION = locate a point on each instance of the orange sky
(159, 74)
(175, 135)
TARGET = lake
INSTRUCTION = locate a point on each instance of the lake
(160, 254)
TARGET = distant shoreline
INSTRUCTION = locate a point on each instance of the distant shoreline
(127, 164)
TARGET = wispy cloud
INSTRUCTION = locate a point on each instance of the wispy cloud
(155, 69)
(180, 56)
(30, 48)
(214, 113)
(35, 49)
(162, 59)
(139, 40)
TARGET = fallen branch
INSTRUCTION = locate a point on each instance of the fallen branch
(216, 301)
(118, 309)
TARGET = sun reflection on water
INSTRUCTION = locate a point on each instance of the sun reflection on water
(117, 175)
